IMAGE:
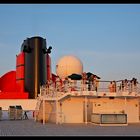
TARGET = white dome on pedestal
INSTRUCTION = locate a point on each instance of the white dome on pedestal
(68, 65)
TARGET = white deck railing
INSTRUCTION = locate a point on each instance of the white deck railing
(80, 89)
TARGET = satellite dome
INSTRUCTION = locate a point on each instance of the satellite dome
(68, 65)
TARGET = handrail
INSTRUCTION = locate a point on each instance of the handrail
(103, 86)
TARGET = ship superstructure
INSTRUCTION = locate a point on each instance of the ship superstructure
(103, 106)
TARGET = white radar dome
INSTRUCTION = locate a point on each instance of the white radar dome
(68, 65)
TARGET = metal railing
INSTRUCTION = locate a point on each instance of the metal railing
(103, 86)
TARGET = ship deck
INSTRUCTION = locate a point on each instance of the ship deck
(31, 128)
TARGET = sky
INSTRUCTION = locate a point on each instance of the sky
(105, 37)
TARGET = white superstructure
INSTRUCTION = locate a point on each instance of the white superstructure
(84, 106)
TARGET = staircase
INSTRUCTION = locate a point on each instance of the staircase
(57, 96)
(37, 109)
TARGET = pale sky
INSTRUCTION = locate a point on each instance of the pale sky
(105, 37)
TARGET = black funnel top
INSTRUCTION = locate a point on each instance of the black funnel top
(35, 64)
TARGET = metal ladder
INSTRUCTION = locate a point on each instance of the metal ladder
(38, 105)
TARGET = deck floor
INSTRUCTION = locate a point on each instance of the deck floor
(32, 128)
